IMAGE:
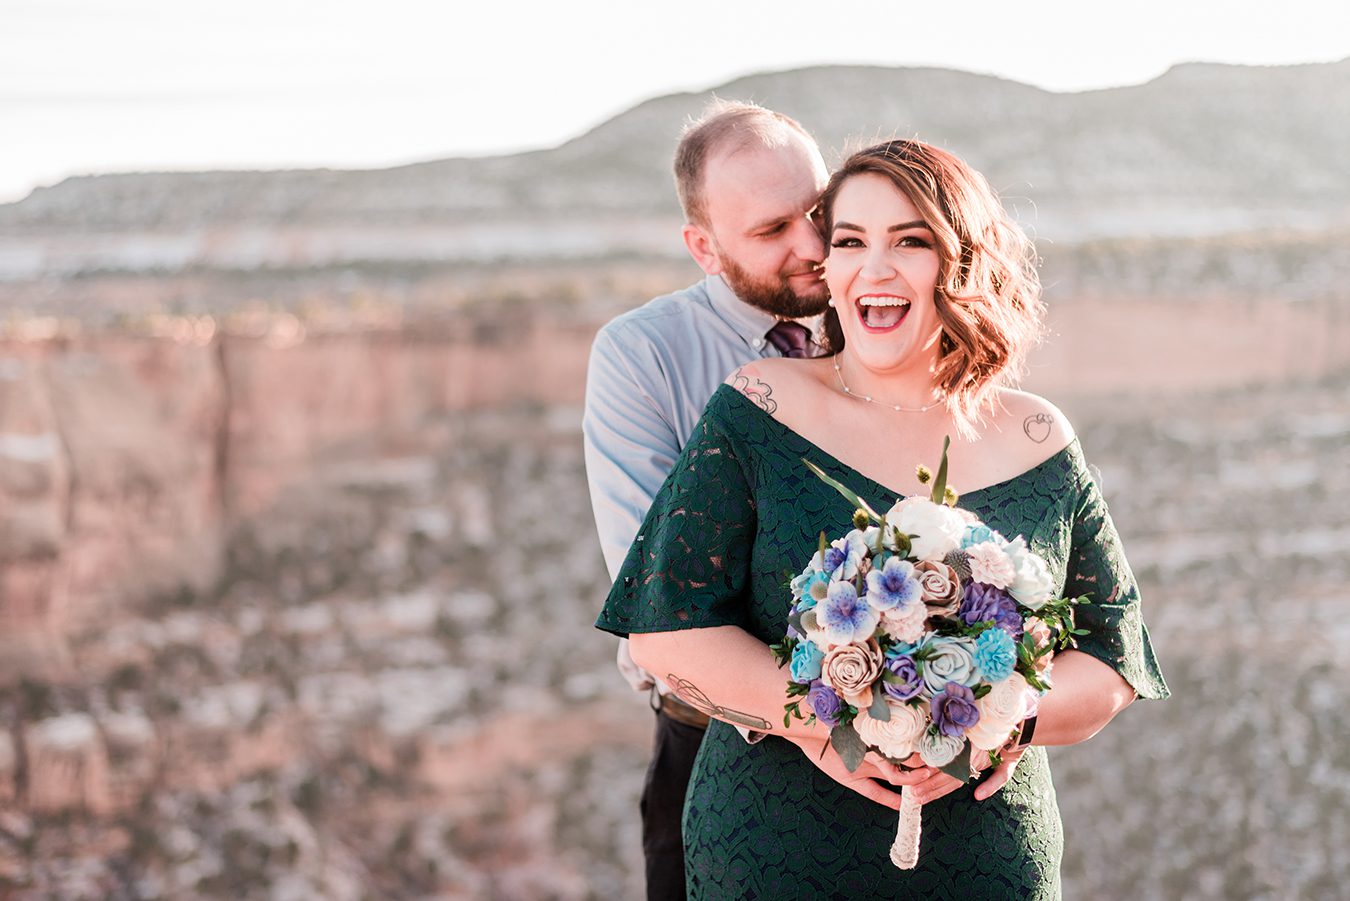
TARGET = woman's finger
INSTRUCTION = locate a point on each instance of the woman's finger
(873, 790)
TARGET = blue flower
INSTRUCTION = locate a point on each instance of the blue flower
(810, 587)
(845, 617)
(842, 557)
(985, 603)
(805, 665)
(894, 586)
(954, 710)
(900, 678)
(995, 655)
(824, 703)
(978, 533)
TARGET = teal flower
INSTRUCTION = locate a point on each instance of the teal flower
(995, 655)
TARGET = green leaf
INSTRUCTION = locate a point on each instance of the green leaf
(982, 689)
(848, 744)
(848, 494)
(879, 710)
(959, 768)
(940, 482)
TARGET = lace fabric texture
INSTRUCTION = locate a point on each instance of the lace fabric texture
(737, 516)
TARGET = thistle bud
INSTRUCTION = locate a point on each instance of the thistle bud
(923, 474)
(950, 497)
(860, 519)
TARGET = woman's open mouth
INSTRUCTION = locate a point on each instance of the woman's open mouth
(882, 312)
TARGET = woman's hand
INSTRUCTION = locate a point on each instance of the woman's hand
(872, 779)
(937, 784)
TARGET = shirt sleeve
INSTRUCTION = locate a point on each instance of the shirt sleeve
(1116, 634)
(630, 442)
(689, 565)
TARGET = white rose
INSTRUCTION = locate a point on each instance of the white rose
(896, 737)
(939, 750)
(938, 527)
(1000, 710)
(1032, 585)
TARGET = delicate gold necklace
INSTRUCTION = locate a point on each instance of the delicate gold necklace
(867, 397)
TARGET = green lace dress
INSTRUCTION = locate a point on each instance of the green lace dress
(738, 511)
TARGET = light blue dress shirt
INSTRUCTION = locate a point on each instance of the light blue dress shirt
(651, 373)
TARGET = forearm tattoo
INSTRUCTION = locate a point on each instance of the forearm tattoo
(692, 695)
(760, 394)
(1038, 427)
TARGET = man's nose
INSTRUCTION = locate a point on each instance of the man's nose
(807, 244)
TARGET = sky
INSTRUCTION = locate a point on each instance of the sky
(90, 86)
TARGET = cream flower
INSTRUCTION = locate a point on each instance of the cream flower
(937, 749)
(1032, 585)
(1000, 710)
(990, 565)
(896, 737)
(937, 527)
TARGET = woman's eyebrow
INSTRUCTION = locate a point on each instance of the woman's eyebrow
(903, 226)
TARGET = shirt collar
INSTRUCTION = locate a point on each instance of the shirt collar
(751, 323)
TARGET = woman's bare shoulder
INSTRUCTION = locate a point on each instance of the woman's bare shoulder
(1028, 427)
(766, 382)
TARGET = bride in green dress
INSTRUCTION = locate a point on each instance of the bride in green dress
(935, 305)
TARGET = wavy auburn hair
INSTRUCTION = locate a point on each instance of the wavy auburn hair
(988, 295)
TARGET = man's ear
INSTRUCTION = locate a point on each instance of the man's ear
(702, 248)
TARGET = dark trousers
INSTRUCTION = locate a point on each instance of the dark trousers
(662, 805)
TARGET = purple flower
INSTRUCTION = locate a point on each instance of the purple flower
(894, 586)
(954, 710)
(906, 681)
(825, 703)
(985, 603)
(845, 617)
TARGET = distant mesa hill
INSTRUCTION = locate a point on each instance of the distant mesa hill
(1202, 149)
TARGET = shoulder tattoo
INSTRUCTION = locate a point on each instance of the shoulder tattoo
(692, 695)
(1038, 427)
(760, 394)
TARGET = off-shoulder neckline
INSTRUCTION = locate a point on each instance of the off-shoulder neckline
(1067, 451)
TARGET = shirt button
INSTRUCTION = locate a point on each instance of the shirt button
(759, 342)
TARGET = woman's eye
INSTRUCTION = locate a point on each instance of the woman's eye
(914, 241)
(846, 242)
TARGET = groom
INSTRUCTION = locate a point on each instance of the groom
(748, 179)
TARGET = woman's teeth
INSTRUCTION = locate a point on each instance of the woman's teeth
(883, 312)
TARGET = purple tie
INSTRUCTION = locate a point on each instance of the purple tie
(791, 339)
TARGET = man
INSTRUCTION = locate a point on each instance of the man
(748, 179)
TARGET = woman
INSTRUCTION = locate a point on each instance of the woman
(934, 306)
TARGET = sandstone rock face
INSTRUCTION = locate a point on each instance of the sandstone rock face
(125, 461)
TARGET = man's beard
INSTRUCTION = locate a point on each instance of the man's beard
(774, 295)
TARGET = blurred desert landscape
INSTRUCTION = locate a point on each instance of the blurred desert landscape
(297, 564)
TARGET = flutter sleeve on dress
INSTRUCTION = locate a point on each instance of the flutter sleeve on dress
(689, 565)
(1116, 634)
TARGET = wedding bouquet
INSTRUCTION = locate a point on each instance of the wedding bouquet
(921, 631)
